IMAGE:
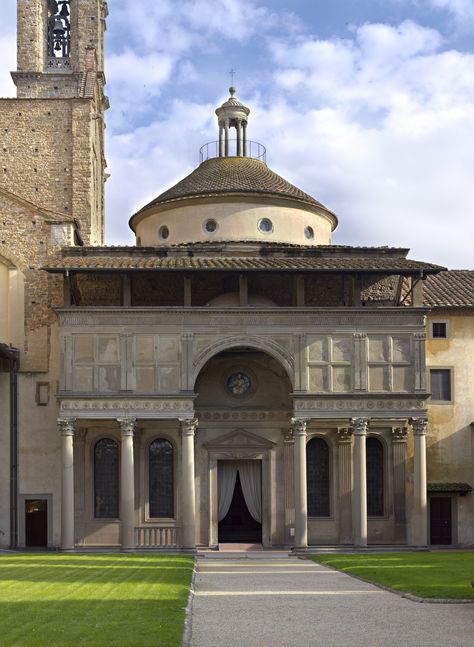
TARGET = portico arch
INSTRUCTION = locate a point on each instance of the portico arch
(259, 344)
(243, 405)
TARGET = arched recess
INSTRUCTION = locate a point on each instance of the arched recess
(259, 344)
(12, 298)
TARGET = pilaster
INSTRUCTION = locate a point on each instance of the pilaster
(399, 451)
(289, 482)
(345, 483)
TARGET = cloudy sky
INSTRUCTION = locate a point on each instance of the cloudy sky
(368, 105)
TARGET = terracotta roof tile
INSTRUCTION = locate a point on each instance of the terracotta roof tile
(228, 175)
(392, 265)
(450, 289)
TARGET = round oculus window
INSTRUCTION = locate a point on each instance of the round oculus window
(309, 233)
(163, 232)
(210, 226)
(239, 383)
(265, 225)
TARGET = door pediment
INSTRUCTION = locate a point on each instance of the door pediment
(240, 439)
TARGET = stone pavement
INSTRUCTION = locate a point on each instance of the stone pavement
(281, 601)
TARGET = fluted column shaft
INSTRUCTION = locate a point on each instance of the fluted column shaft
(289, 481)
(66, 428)
(344, 452)
(301, 497)
(188, 428)
(420, 529)
(221, 141)
(127, 485)
(360, 482)
(399, 448)
(244, 129)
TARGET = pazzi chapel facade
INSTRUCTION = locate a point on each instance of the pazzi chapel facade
(234, 376)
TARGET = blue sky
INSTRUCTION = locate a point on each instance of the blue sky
(368, 105)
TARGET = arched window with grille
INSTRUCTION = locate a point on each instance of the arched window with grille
(317, 475)
(375, 493)
(160, 478)
(106, 479)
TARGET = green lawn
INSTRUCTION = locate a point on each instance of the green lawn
(427, 575)
(113, 600)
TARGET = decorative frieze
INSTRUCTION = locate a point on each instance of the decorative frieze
(320, 404)
(115, 408)
(251, 416)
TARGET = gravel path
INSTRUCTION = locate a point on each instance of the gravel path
(289, 602)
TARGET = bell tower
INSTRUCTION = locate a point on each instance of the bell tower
(58, 42)
(52, 134)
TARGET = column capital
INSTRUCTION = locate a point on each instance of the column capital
(344, 435)
(420, 335)
(188, 426)
(80, 434)
(419, 426)
(360, 426)
(399, 434)
(298, 426)
(288, 435)
(67, 426)
(360, 335)
(127, 426)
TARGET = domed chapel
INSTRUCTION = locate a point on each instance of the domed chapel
(233, 377)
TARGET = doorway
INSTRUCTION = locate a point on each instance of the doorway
(441, 521)
(240, 501)
(36, 523)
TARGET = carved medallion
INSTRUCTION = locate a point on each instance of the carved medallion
(239, 383)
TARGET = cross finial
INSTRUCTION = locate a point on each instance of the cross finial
(232, 76)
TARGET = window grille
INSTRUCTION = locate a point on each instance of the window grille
(374, 478)
(106, 479)
(161, 495)
(317, 475)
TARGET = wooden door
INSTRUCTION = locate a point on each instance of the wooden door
(441, 520)
(36, 523)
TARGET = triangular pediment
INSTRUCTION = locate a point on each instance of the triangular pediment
(240, 439)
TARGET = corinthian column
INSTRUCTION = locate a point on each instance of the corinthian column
(127, 485)
(420, 530)
(188, 428)
(360, 482)
(66, 429)
(301, 497)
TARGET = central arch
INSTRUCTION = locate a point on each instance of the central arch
(243, 404)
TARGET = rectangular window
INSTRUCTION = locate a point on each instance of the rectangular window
(439, 330)
(440, 384)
